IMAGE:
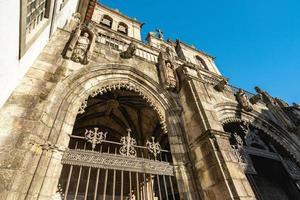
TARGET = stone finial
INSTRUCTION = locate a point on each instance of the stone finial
(130, 51)
(243, 100)
(221, 85)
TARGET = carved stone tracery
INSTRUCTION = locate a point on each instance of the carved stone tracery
(131, 87)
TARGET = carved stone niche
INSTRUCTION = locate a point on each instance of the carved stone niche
(82, 43)
(243, 100)
(167, 70)
(130, 51)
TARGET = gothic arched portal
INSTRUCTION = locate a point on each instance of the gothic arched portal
(70, 105)
(270, 169)
(118, 150)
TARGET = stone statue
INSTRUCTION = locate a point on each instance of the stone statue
(80, 51)
(171, 75)
(81, 45)
(243, 100)
(166, 65)
(129, 53)
(221, 85)
(160, 34)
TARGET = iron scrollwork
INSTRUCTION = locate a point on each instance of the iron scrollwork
(95, 137)
(128, 145)
(153, 147)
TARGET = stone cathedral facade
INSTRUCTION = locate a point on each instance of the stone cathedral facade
(102, 115)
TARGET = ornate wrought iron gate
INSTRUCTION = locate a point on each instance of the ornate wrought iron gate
(95, 168)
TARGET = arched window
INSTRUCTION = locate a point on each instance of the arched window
(201, 62)
(123, 28)
(106, 21)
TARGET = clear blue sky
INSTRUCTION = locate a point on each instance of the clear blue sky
(255, 42)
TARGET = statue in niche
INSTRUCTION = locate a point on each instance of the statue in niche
(80, 50)
(81, 44)
(129, 53)
(243, 100)
(167, 70)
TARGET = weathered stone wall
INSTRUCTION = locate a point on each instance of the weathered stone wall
(38, 117)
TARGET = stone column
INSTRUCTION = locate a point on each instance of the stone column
(216, 167)
(186, 181)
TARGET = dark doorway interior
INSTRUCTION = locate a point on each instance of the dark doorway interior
(272, 181)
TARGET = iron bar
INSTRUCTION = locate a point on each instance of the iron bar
(158, 185)
(87, 184)
(114, 177)
(78, 182)
(137, 186)
(145, 187)
(97, 183)
(166, 189)
(130, 185)
(68, 181)
(172, 189)
(105, 184)
(151, 187)
(122, 179)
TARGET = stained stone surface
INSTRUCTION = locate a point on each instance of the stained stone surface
(40, 113)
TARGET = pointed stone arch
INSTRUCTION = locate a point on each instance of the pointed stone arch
(64, 101)
(228, 113)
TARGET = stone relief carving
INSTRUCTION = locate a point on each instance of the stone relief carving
(129, 53)
(81, 46)
(167, 69)
(242, 157)
(243, 100)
